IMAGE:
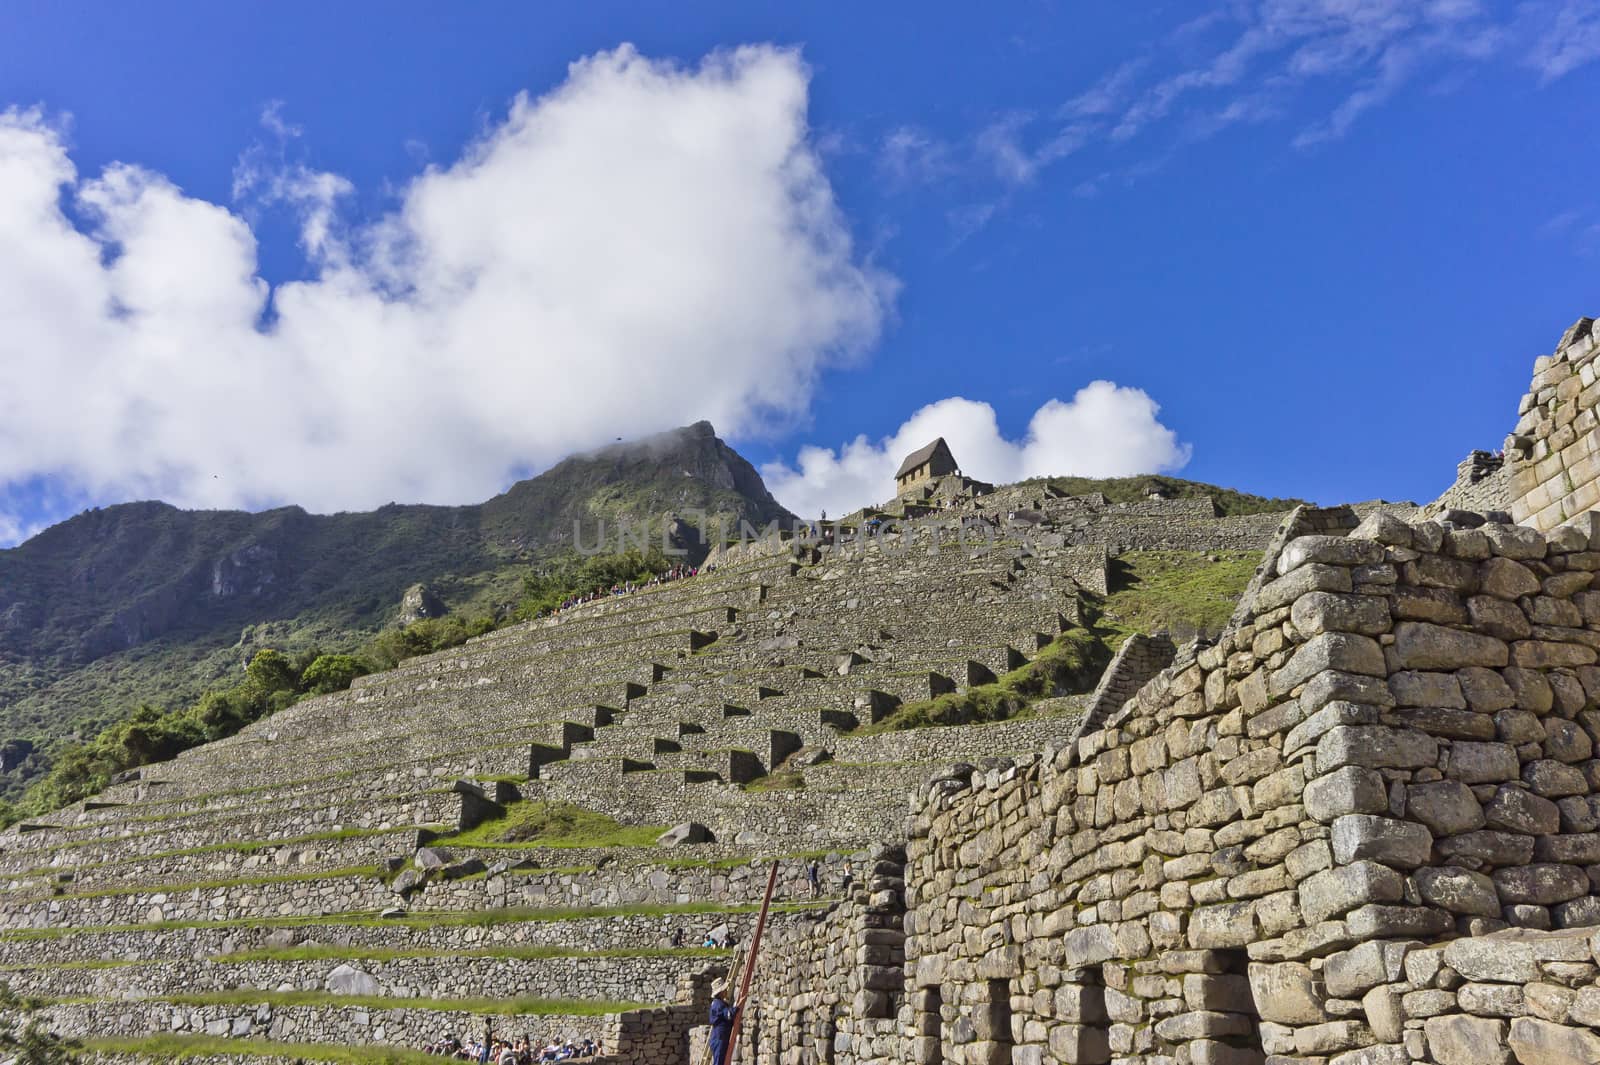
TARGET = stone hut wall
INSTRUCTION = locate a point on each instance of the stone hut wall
(832, 989)
(1139, 658)
(1392, 746)
(1483, 483)
(1554, 451)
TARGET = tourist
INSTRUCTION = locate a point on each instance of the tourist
(814, 878)
(446, 1047)
(722, 1015)
(677, 936)
(849, 878)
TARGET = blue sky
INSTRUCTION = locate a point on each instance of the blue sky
(1313, 245)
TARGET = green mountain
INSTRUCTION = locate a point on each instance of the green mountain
(143, 602)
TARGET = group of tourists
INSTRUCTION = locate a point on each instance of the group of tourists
(489, 1051)
(676, 573)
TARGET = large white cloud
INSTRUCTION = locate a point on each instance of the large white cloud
(646, 245)
(1105, 430)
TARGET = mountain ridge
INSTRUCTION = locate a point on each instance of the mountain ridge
(144, 601)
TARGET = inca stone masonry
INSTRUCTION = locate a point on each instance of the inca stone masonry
(1362, 827)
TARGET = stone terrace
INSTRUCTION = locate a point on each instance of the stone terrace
(238, 889)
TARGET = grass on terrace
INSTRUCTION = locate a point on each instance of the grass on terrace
(342, 873)
(499, 1007)
(1180, 592)
(324, 952)
(443, 919)
(235, 847)
(187, 1047)
(554, 825)
(1184, 593)
(1071, 663)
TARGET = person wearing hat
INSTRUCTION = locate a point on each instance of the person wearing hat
(722, 1016)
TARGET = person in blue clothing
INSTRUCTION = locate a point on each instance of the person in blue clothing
(722, 1014)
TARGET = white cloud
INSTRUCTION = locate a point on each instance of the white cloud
(643, 246)
(1104, 431)
(1016, 163)
(912, 156)
(1249, 61)
(1569, 40)
(12, 531)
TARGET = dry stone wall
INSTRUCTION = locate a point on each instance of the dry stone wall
(1389, 756)
(1483, 483)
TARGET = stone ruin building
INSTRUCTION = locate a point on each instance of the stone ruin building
(927, 463)
(1361, 827)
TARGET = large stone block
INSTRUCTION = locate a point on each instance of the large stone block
(1385, 1014)
(1445, 722)
(1345, 887)
(1554, 780)
(1499, 618)
(1489, 847)
(1080, 1044)
(1541, 884)
(1459, 891)
(1506, 579)
(1446, 807)
(1084, 947)
(1350, 790)
(1515, 809)
(1420, 645)
(1376, 747)
(1537, 1042)
(1329, 550)
(1374, 921)
(1415, 688)
(1287, 993)
(1320, 612)
(1461, 1040)
(1351, 973)
(1314, 577)
(1224, 926)
(1402, 844)
(1547, 654)
(1336, 687)
(348, 980)
(1217, 991)
(1202, 1024)
(1482, 763)
(1377, 1054)
(1341, 651)
(1485, 689)
(1501, 958)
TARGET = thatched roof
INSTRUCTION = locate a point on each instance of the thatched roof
(923, 454)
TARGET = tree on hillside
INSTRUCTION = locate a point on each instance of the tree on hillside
(331, 673)
(271, 671)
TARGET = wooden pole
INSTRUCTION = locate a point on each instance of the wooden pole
(750, 962)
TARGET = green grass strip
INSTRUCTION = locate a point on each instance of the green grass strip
(238, 847)
(341, 873)
(503, 1007)
(169, 1047)
(435, 919)
(323, 952)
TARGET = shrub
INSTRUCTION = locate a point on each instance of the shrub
(331, 673)
(271, 671)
